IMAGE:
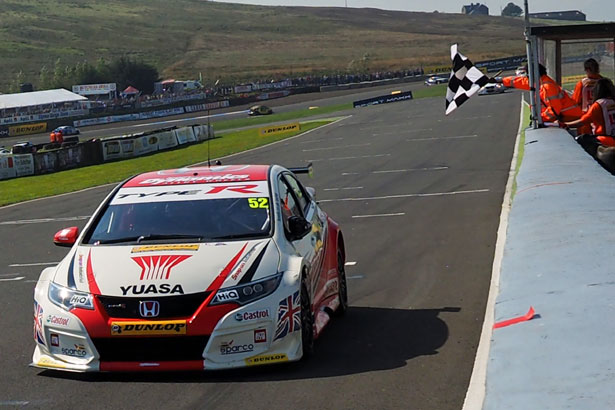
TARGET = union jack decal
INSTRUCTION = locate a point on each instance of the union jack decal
(38, 323)
(158, 267)
(289, 316)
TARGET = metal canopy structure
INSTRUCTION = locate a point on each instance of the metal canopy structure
(560, 34)
(36, 98)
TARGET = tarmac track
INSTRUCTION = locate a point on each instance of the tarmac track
(418, 196)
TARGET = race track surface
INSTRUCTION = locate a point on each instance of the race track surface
(418, 196)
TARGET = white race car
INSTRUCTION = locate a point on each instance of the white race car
(492, 89)
(193, 269)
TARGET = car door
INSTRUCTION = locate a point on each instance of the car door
(317, 236)
(290, 205)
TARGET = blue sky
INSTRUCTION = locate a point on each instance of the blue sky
(596, 10)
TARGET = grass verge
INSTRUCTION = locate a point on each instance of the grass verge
(438, 90)
(39, 186)
(521, 148)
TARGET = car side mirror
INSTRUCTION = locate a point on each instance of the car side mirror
(311, 191)
(298, 227)
(66, 237)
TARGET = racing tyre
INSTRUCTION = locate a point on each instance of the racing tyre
(307, 321)
(342, 287)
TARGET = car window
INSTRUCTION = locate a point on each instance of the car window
(212, 219)
(288, 203)
(302, 196)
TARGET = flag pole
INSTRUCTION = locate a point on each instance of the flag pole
(532, 68)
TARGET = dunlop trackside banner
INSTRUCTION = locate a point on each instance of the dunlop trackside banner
(385, 99)
(279, 129)
(26, 129)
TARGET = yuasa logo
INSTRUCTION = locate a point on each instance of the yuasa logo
(254, 315)
(149, 308)
(152, 289)
(227, 295)
(158, 267)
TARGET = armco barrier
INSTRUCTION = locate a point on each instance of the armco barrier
(7, 167)
(128, 117)
(184, 135)
(45, 162)
(208, 106)
(24, 164)
(385, 99)
(4, 131)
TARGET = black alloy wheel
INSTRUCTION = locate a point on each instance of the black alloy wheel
(307, 320)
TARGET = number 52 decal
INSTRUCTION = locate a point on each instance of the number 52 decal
(262, 202)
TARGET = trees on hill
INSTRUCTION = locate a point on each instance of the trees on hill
(124, 71)
(512, 10)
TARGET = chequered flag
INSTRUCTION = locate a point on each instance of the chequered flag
(464, 82)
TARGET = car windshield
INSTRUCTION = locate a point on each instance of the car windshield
(173, 221)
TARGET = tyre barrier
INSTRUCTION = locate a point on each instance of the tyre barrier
(48, 158)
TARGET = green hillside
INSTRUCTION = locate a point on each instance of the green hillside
(183, 38)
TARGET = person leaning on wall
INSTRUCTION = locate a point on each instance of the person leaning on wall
(600, 116)
(555, 105)
(583, 93)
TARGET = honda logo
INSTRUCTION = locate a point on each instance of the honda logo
(149, 308)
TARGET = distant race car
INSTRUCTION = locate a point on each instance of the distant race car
(433, 80)
(193, 269)
(63, 131)
(492, 89)
(260, 110)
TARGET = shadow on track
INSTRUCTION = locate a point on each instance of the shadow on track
(365, 340)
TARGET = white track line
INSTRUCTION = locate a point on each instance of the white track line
(372, 198)
(350, 188)
(321, 140)
(44, 220)
(12, 279)
(343, 158)
(379, 215)
(336, 147)
(475, 396)
(442, 138)
(19, 265)
(351, 263)
(409, 170)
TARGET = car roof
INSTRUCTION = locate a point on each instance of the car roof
(200, 175)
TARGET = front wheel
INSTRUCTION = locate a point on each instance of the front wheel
(307, 321)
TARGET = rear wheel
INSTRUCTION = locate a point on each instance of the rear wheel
(342, 287)
(307, 320)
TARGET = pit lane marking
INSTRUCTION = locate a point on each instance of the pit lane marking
(19, 265)
(442, 138)
(419, 195)
(343, 189)
(337, 147)
(379, 215)
(44, 220)
(342, 158)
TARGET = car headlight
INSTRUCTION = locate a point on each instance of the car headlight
(248, 292)
(69, 299)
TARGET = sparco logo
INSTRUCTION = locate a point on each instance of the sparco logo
(257, 314)
(149, 308)
(78, 351)
(158, 267)
(228, 348)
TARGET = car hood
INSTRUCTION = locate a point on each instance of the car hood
(165, 270)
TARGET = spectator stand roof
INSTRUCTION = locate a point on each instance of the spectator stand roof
(59, 96)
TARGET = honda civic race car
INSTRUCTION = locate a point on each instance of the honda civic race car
(192, 269)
